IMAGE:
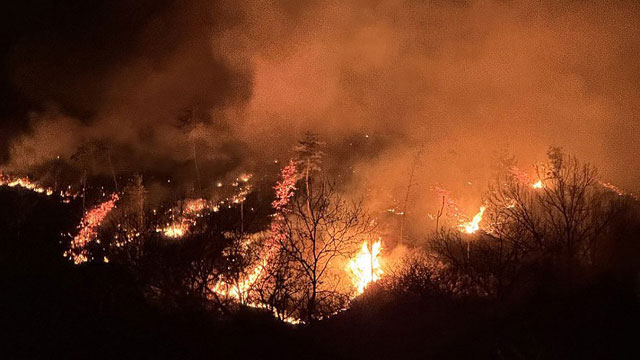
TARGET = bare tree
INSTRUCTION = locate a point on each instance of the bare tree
(278, 285)
(308, 155)
(308, 159)
(318, 228)
(559, 222)
(90, 152)
(563, 218)
(129, 223)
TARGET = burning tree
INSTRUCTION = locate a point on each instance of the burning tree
(561, 221)
(312, 231)
(319, 228)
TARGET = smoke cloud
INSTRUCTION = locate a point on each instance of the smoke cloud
(390, 85)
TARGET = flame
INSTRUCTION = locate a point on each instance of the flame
(473, 225)
(174, 231)
(240, 290)
(88, 227)
(195, 206)
(452, 207)
(537, 185)
(27, 184)
(617, 190)
(286, 187)
(524, 179)
(365, 267)
(180, 225)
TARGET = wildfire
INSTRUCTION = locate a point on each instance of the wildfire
(183, 218)
(473, 225)
(240, 290)
(365, 267)
(453, 210)
(452, 207)
(88, 227)
(617, 190)
(27, 184)
(174, 231)
(195, 206)
(286, 187)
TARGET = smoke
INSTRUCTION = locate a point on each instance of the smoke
(380, 81)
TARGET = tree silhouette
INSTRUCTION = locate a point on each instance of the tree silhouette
(318, 228)
(561, 224)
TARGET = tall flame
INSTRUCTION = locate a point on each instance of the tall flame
(473, 225)
(365, 267)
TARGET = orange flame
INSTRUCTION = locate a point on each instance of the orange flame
(27, 184)
(240, 290)
(174, 231)
(89, 224)
(365, 267)
(473, 225)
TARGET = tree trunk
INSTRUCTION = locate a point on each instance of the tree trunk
(311, 307)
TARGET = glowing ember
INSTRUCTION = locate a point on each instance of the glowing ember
(365, 267)
(524, 179)
(27, 184)
(240, 290)
(617, 190)
(244, 178)
(285, 187)
(89, 228)
(195, 206)
(180, 225)
(537, 185)
(174, 231)
(473, 225)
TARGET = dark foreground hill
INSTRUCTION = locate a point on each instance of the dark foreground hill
(53, 309)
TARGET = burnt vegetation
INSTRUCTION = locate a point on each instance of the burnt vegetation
(554, 273)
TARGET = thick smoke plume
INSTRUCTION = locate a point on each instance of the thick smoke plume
(390, 86)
